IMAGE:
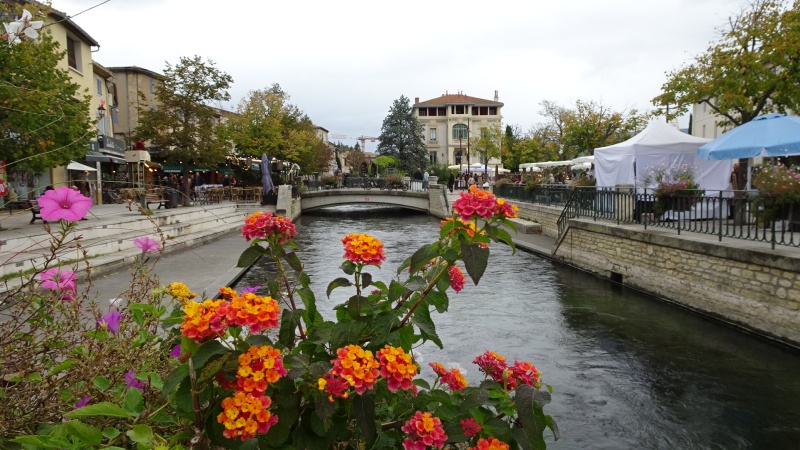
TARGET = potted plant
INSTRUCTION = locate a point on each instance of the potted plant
(676, 188)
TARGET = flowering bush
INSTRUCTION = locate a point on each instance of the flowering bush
(778, 188)
(268, 370)
(675, 187)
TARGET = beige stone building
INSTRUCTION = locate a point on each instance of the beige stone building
(130, 82)
(450, 120)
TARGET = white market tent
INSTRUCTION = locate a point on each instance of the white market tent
(658, 145)
(80, 167)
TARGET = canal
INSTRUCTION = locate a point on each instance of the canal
(627, 370)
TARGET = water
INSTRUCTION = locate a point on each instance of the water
(627, 371)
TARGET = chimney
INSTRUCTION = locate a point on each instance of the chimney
(416, 100)
(496, 98)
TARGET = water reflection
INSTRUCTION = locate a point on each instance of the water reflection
(628, 371)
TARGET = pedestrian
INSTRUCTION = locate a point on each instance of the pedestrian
(417, 177)
(451, 182)
(425, 178)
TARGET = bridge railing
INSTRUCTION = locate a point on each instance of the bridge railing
(725, 214)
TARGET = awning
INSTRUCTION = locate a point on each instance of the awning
(78, 166)
(177, 168)
(93, 156)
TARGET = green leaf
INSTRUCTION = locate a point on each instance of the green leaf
(141, 434)
(294, 262)
(101, 383)
(357, 306)
(364, 410)
(289, 322)
(476, 259)
(110, 433)
(174, 379)
(311, 315)
(503, 236)
(422, 383)
(345, 333)
(366, 279)
(207, 350)
(86, 433)
(35, 441)
(258, 339)
(133, 403)
(422, 256)
(65, 365)
(422, 319)
(251, 255)
(339, 282)
(105, 409)
(348, 267)
(531, 416)
(396, 290)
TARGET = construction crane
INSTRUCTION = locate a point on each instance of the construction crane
(362, 139)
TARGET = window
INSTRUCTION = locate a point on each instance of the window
(433, 158)
(114, 115)
(422, 112)
(432, 111)
(460, 131)
(152, 86)
(74, 54)
(441, 111)
(460, 109)
(433, 134)
(493, 110)
(99, 82)
(457, 156)
(704, 131)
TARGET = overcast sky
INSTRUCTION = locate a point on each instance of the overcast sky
(344, 63)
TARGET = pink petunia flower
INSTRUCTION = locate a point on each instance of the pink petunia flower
(176, 351)
(82, 402)
(111, 321)
(58, 279)
(132, 382)
(146, 244)
(64, 203)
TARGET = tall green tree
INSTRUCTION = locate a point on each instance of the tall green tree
(402, 136)
(752, 68)
(45, 119)
(183, 125)
(268, 124)
(487, 145)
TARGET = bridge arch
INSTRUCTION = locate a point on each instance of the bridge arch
(418, 201)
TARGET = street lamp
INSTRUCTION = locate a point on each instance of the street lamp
(101, 111)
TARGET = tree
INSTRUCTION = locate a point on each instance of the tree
(402, 136)
(591, 125)
(183, 123)
(488, 144)
(269, 124)
(44, 117)
(751, 70)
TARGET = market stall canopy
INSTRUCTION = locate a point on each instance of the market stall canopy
(81, 167)
(771, 135)
(463, 167)
(581, 166)
(659, 144)
(530, 167)
(481, 168)
(584, 159)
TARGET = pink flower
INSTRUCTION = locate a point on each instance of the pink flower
(176, 351)
(132, 382)
(58, 279)
(146, 244)
(64, 203)
(470, 427)
(82, 402)
(111, 321)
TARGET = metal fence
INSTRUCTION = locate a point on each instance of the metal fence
(725, 214)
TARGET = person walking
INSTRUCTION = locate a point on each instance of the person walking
(451, 182)
(425, 178)
(417, 178)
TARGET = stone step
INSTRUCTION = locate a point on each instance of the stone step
(526, 226)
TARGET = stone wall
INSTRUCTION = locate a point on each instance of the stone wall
(547, 216)
(756, 289)
(438, 201)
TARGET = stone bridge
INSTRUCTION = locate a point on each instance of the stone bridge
(433, 201)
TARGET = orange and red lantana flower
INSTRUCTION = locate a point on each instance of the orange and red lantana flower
(353, 365)
(496, 368)
(452, 378)
(479, 203)
(269, 226)
(424, 431)
(397, 368)
(197, 319)
(490, 444)
(456, 278)
(258, 368)
(363, 249)
(245, 415)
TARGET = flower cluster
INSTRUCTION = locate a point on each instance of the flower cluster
(259, 367)
(456, 278)
(251, 310)
(479, 203)
(496, 368)
(779, 182)
(197, 319)
(353, 367)
(22, 29)
(61, 281)
(452, 378)
(470, 427)
(490, 444)
(397, 368)
(363, 249)
(277, 229)
(180, 291)
(211, 317)
(424, 431)
(244, 415)
(467, 226)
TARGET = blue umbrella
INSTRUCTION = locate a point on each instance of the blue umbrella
(266, 175)
(771, 135)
